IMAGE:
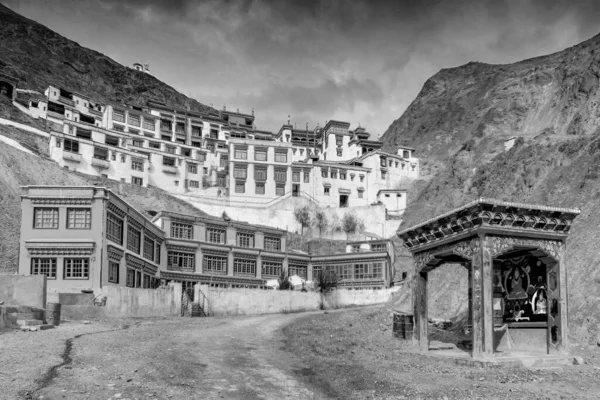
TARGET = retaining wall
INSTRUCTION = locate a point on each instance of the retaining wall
(128, 302)
(20, 290)
(256, 301)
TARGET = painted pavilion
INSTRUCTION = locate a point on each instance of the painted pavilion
(517, 269)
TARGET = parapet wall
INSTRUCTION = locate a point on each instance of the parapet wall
(20, 290)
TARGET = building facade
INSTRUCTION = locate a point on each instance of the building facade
(85, 238)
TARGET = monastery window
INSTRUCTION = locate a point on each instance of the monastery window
(272, 243)
(137, 143)
(171, 149)
(201, 156)
(245, 239)
(146, 281)
(343, 175)
(271, 268)
(181, 260)
(221, 181)
(298, 270)
(295, 176)
(323, 172)
(352, 177)
(406, 154)
(79, 218)
(378, 247)
(333, 174)
(339, 140)
(194, 184)
(133, 119)
(44, 266)
(339, 152)
(83, 133)
(223, 161)
(240, 186)
(118, 116)
(280, 175)
(382, 161)
(138, 279)
(123, 160)
(413, 167)
(180, 128)
(214, 133)
(170, 161)
(45, 218)
(306, 177)
(154, 145)
(260, 154)
(130, 278)
(396, 164)
(301, 152)
(243, 266)
(100, 153)
(76, 268)
(119, 128)
(260, 188)
(166, 125)
(165, 138)
(280, 157)
(279, 190)
(360, 194)
(368, 270)
(114, 228)
(134, 238)
(111, 140)
(214, 264)
(87, 119)
(240, 172)
(196, 131)
(176, 183)
(193, 168)
(148, 248)
(157, 254)
(149, 124)
(215, 235)
(113, 272)
(240, 153)
(326, 191)
(137, 181)
(71, 146)
(182, 231)
(383, 174)
(260, 174)
(197, 144)
(362, 178)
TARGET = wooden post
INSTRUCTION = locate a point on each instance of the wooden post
(563, 304)
(487, 303)
(420, 303)
(477, 322)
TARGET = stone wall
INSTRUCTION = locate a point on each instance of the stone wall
(19, 290)
(256, 301)
(124, 302)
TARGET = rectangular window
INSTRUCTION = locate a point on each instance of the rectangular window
(362, 178)
(118, 116)
(390, 163)
(405, 154)
(182, 231)
(326, 191)
(333, 174)
(193, 168)
(137, 181)
(79, 218)
(338, 152)
(378, 247)
(270, 268)
(260, 188)
(221, 181)
(195, 184)
(382, 162)
(133, 119)
(240, 186)
(242, 266)
(165, 138)
(72, 146)
(280, 157)
(137, 143)
(137, 164)
(279, 190)
(148, 248)
(360, 194)
(149, 124)
(111, 141)
(130, 281)
(196, 131)
(201, 156)
(114, 228)
(170, 161)
(181, 260)
(166, 125)
(154, 145)
(240, 153)
(214, 264)
(306, 177)
(171, 149)
(133, 239)
(223, 161)
(45, 218)
(180, 127)
(215, 235)
(323, 172)
(119, 128)
(44, 266)
(77, 268)
(295, 176)
(339, 140)
(383, 174)
(245, 239)
(272, 243)
(260, 174)
(298, 270)
(260, 155)
(280, 175)
(138, 279)
(113, 272)
(343, 175)
(240, 172)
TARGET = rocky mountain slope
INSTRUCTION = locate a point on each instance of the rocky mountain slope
(38, 57)
(460, 122)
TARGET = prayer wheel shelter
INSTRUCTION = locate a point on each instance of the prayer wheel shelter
(517, 269)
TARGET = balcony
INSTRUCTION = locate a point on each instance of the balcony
(100, 163)
(170, 169)
(68, 156)
(66, 100)
(95, 112)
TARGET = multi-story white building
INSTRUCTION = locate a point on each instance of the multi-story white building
(221, 155)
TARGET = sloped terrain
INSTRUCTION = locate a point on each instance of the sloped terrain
(38, 57)
(18, 168)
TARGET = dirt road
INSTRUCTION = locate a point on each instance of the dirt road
(200, 358)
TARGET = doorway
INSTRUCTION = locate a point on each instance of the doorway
(295, 190)
(343, 200)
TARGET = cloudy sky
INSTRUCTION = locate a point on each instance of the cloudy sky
(359, 61)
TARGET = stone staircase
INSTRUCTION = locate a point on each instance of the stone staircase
(27, 318)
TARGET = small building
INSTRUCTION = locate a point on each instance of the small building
(8, 86)
(85, 238)
(394, 200)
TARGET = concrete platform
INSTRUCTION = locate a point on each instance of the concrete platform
(504, 359)
(29, 322)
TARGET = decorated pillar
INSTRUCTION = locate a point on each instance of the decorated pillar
(420, 310)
